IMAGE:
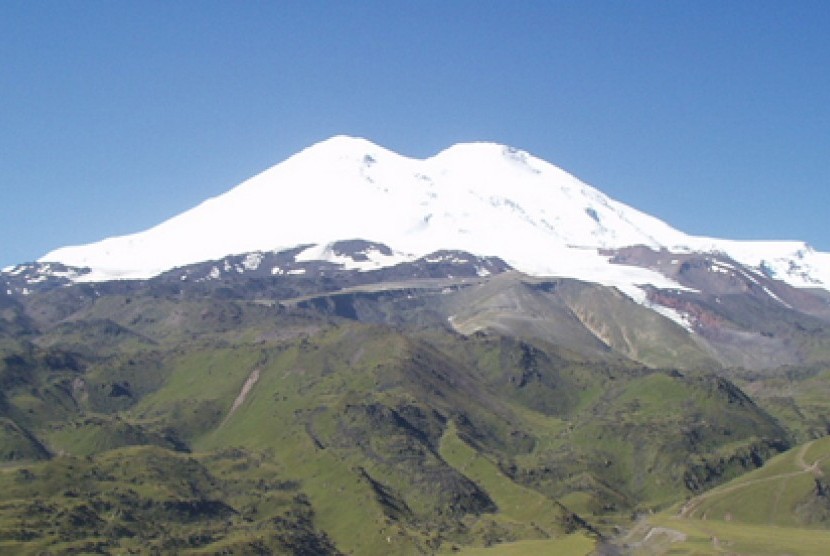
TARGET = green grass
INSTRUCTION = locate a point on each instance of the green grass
(575, 544)
(796, 396)
(299, 388)
(772, 510)
(152, 499)
(782, 493)
(704, 537)
(199, 390)
(517, 505)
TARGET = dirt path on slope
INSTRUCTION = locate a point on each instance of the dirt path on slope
(243, 394)
(689, 508)
(644, 530)
(813, 468)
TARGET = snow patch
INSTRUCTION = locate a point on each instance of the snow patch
(679, 317)
(252, 261)
(720, 267)
(373, 258)
(776, 298)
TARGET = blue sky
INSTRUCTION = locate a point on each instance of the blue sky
(714, 116)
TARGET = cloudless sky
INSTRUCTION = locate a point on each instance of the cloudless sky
(114, 116)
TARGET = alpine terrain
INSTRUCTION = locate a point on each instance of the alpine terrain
(356, 352)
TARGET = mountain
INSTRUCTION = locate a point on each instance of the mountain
(356, 352)
(348, 204)
(483, 198)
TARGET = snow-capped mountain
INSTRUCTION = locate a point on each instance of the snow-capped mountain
(482, 198)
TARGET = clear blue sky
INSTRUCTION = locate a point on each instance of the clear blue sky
(714, 116)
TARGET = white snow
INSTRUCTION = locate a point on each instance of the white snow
(721, 267)
(678, 317)
(68, 274)
(484, 198)
(252, 261)
(375, 259)
(775, 297)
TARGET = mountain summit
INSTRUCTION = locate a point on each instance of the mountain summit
(483, 198)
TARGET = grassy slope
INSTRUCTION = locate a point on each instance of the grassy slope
(519, 507)
(311, 398)
(576, 544)
(316, 391)
(797, 396)
(721, 537)
(399, 443)
(777, 494)
(776, 509)
(148, 498)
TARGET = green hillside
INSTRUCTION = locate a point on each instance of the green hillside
(540, 417)
(783, 507)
